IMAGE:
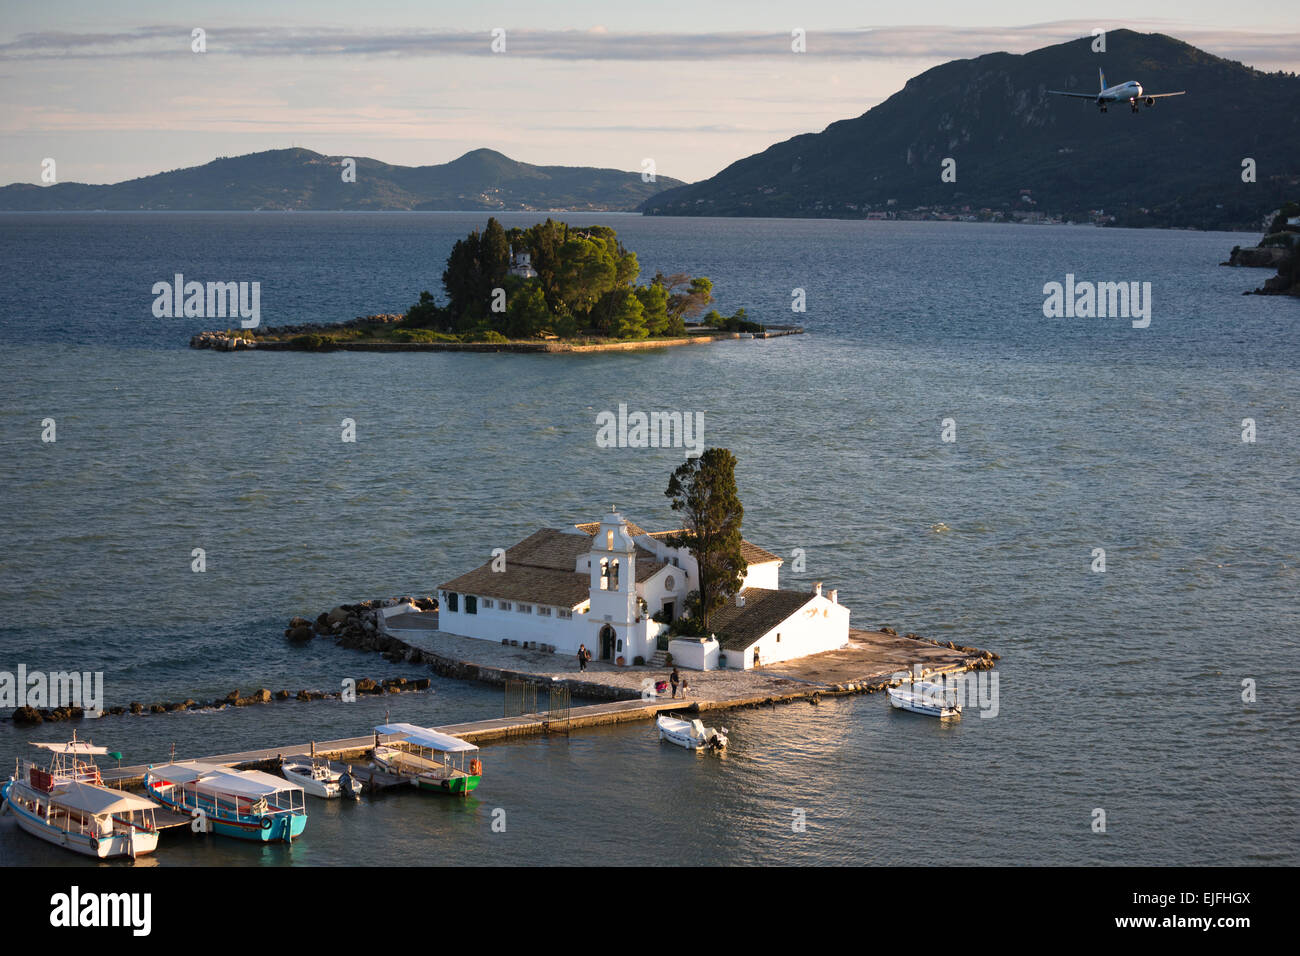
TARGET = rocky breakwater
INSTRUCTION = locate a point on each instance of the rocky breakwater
(230, 340)
(227, 341)
(358, 626)
(30, 716)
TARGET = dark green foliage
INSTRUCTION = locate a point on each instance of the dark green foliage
(311, 342)
(703, 490)
(734, 323)
(586, 281)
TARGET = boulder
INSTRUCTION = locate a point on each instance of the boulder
(337, 616)
(300, 622)
(282, 695)
(299, 635)
(422, 683)
(367, 686)
(157, 709)
(232, 697)
(136, 707)
(27, 716)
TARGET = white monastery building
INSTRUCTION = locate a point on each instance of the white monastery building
(601, 583)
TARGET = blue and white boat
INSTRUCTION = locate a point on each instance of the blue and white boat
(246, 804)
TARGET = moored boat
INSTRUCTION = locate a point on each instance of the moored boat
(431, 760)
(317, 778)
(924, 697)
(691, 734)
(67, 804)
(246, 804)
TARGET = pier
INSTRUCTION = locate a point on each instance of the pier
(869, 663)
(350, 750)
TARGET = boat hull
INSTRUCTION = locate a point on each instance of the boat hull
(916, 705)
(267, 828)
(326, 790)
(99, 847)
(679, 732)
(459, 784)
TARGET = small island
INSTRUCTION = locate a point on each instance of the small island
(546, 288)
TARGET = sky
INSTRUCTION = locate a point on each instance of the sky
(112, 91)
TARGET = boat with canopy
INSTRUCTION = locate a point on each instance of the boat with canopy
(68, 805)
(430, 759)
(246, 804)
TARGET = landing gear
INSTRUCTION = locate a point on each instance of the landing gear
(1103, 107)
(1133, 105)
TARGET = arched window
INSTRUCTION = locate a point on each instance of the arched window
(609, 540)
(604, 574)
(613, 575)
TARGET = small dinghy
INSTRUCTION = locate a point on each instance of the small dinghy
(691, 734)
(924, 697)
(317, 778)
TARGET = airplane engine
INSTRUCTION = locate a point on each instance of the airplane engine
(1151, 101)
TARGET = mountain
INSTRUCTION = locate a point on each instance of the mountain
(1177, 164)
(302, 179)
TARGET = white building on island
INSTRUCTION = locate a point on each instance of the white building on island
(600, 584)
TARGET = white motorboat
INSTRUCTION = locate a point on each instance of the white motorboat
(68, 805)
(691, 734)
(924, 697)
(317, 778)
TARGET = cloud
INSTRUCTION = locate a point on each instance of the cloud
(599, 43)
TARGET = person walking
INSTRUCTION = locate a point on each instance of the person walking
(583, 657)
(673, 679)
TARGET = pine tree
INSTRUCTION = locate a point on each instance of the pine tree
(704, 491)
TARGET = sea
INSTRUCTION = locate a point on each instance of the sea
(1146, 712)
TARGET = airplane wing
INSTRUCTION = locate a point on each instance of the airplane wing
(1156, 96)
(1086, 96)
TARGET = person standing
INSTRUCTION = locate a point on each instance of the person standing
(673, 679)
(582, 657)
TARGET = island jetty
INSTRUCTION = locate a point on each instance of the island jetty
(373, 333)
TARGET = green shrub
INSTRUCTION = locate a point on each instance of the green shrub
(489, 336)
(312, 342)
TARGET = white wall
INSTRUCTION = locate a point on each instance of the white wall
(493, 624)
(762, 576)
(821, 625)
(695, 654)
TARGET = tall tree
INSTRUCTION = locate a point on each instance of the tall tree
(703, 491)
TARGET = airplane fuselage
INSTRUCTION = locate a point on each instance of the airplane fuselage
(1132, 90)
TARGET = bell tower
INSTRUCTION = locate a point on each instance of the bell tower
(613, 587)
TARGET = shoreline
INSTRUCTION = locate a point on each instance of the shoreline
(230, 340)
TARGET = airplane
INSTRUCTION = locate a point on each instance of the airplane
(1131, 91)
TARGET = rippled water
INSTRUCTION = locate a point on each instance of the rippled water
(1119, 691)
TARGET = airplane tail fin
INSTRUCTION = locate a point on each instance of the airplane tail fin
(1101, 78)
